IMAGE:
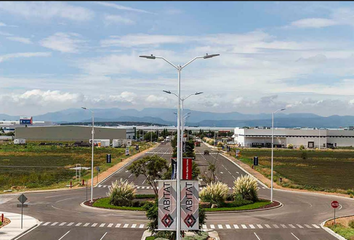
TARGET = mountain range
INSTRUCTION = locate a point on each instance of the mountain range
(167, 116)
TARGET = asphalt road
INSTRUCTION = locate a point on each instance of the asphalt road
(62, 217)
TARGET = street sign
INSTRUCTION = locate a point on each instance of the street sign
(255, 161)
(237, 153)
(109, 158)
(126, 151)
(22, 198)
(334, 204)
(187, 169)
(98, 168)
(22, 205)
(167, 205)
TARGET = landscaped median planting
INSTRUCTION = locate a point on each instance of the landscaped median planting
(5, 222)
(344, 226)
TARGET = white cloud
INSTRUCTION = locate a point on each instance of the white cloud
(20, 39)
(314, 23)
(156, 99)
(116, 19)
(5, 33)
(25, 55)
(2, 24)
(120, 7)
(47, 10)
(124, 97)
(63, 42)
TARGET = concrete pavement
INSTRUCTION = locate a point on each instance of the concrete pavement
(13, 229)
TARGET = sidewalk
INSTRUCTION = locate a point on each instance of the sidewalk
(13, 229)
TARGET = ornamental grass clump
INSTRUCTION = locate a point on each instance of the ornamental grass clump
(247, 187)
(121, 193)
(215, 193)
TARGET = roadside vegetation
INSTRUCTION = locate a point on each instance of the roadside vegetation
(325, 170)
(345, 230)
(38, 166)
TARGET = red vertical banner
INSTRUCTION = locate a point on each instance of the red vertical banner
(187, 169)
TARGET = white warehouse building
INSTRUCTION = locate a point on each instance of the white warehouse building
(309, 138)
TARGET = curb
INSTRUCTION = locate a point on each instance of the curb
(330, 231)
(249, 210)
(105, 209)
(27, 231)
(14, 229)
(133, 159)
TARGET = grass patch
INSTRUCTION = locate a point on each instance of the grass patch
(325, 170)
(346, 232)
(244, 207)
(144, 196)
(104, 203)
(47, 166)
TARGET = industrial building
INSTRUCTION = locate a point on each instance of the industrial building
(308, 137)
(69, 133)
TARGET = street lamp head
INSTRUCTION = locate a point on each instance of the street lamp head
(198, 93)
(210, 56)
(282, 109)
(83, 108)
(148, 57)
(169, 92)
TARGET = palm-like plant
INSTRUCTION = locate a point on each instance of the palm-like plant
(121, 193)
(214, 193)
(247, 187)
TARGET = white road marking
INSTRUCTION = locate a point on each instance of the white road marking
(64, 235)
(110, 225)
(118, 225)
(45, 224)
(130, 175)
(102, 225)
(212, 226)
(78, 224)
(295, 236)
(133, 226)
(292, 226)
(257, 236)
(267, 225)
(86, 224)
(236, 226)
(299, 226)
(204, 226)
(62, 224)
(126, 225)
(220, 226)
(142, 187)
(53, 224)
(276, 226)
(243, 226)
(228, 226)
(141, 226)
(103, 236)
(70, 224)
(315, 226)
(307, 226)
(283, 226)
(251, 226)
(259, 226)
(94, 225)
(99, 186)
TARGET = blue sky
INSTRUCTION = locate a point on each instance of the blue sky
(59, 55)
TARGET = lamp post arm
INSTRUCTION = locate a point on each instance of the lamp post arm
(185, 65)
(168, 62)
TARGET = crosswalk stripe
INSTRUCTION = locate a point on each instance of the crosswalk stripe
(220, 226)
(228, 226)
(299, 226)
(212, 226)
(78, 224)
(110, 225)
(94, 225)
(99, 185)
(267, 225)
(133, 226)
(251, 226)
(276, 226)
(315, 226)
(243, 226)
(204, 226)
(147, 187)
(138, 187)
(259, 226)
(86, 224)
(53, 224)
(283, 226)
(69, 224)
(307, 226)
(126, 225)
(141, 226)
(292, 226)
(118, 225)
(236, 226)
(62, 224)
(45, 224)
(102, 225)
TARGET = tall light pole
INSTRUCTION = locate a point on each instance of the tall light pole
(271, 178)
(179, 68)
(92, 142)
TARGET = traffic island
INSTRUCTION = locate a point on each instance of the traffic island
(257, 206)
(14, 228)
(342, 228)
(4, 223)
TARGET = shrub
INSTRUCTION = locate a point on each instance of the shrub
(247, 187)
(304, 155)
(290, 146)
(220, 144)
(302, 147)
(199, 236)
(214, 193)
(121, 193)
(351, 224)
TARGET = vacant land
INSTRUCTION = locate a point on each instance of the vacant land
(324, 170)
(48, 166)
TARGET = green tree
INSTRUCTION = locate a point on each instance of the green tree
(147, 136)
(151, 167)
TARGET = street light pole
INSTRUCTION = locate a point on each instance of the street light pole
(92, 143)
(179, 161)
(271, 178)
